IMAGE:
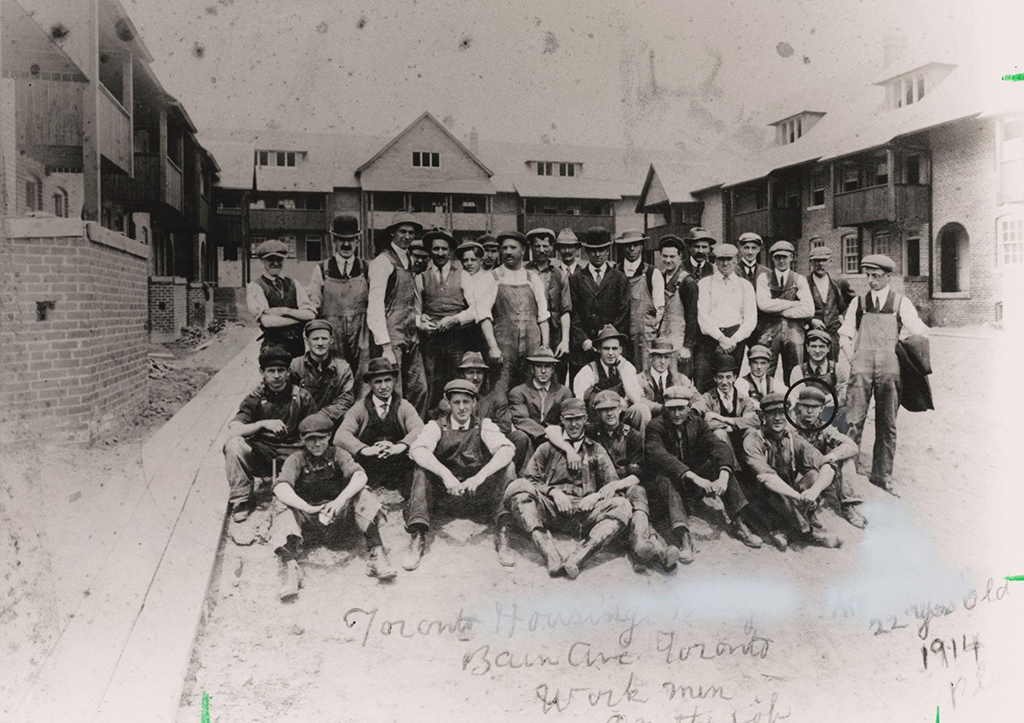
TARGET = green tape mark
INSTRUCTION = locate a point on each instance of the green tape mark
(1014, 77)
(206, 708)
(1014, 578)
(936, 714)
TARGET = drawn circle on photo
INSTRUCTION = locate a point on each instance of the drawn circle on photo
(828, 410)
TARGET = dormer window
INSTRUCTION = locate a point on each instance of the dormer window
(426, 159)
(556, 168)
(909, 87)
(790, 130)
(281, 159)
(906, 90)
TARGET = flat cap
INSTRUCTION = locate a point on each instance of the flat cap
(810, 394)
(404, 218)
(468, 245)
(316, 425)
(820, 253)
(819, 335)
(758, 352)
(670, 239)
(317, 324)
(630, 236)
(345, 225)
(751, 237)
(597, 237)
(679, 396)
(607, 399)
(573, 408)
(512, 235)
(726, 251)
(566, 237)
(416, 246)
(473, 360)
(878, 261)
(275, 356)
(487, 239)
(272, 247)
(773, 400)
(543, 355)
(460, 386)
(540, 233)
(699, 233)
(781, 246)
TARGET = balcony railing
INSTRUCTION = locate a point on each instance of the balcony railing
(115, 131)
(382, 219)
(782, 223)
(175, 187)
(287, 219)
(870, 205)
(469, 222)
(557, 221)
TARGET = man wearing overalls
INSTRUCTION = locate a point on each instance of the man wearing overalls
(785, 304)
(392, 307)
(339, 290)
(679, 322)
(646, 295)
(556, 283)
(874, 324)
(278, 303)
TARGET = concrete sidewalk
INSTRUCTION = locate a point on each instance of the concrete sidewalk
(124, 655)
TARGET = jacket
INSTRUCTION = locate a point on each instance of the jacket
(524, 404)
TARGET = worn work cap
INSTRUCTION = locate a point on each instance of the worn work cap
(679, 396)
(607, 399)
(772, 401)
(573, 408)
(820, 253)
(758, 352)
(460, 386)
(661, 345)
(672, 240)
(515, 235)
(750, 237)
(811, 395)
(878, 261)
(487, 240)
(416, 247)
(274, 356)
(726, 251)
(781, 247)
(819, 335)
(378, 367)
(540, 233)
(272, 247)
(345, 225)
(473, 360)
(543, 355)
(317, 324)
(316, 425)
(404, 218)
(468, 245)
(566, 237)
(630, 236)
(699, 233)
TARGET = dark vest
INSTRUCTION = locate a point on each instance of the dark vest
(441, 300)
(753, 392)
(463, 452)
(604, 381)
(827, 309)
(376, 428)
(787, 292)
(320, 479)
(287, 297)
(289, 337)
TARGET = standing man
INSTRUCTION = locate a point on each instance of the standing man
(874, 324)
(535, 404)
(446, 324)
(339, 291)
(600, 296)
(470, 255)
(784, 300)
(491, 251)
(328, 378)
(278, 303)
(660, 374)
(513, 313)
(265, 430)
(750, 267)
(646, 295)
(726, 313)
(471, 459)
(679, 324)
(613, 371)
(568, 247)
(757, 384)
(699, 244)
(831, 297)
(556, 283)
(392, 307)
(686, 461)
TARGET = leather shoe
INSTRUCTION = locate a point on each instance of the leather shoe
(779, 539)
(240, 511)
(505, 554)
(379, 566)
(854, 516)
(685, 545)
(748, 538)
(417, 541)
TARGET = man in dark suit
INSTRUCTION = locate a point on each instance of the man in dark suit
(831, 296)
(600, 296)
(535, 404)
(699, 244)
(660, 374)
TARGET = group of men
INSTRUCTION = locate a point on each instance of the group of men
(563, 395)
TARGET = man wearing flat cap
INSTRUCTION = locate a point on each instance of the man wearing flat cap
(600, 296)
(339, 291)
(785, 304)
(818, 364)
(419, 256)
(831, 296)
(726, 313)
(471, 460)
(660, 374)
(552, 494)
(328, 378)
(556, 283)
(492, 251)
(756, 384)
(679, 323)
(265, 430)
(789, 475)
(278, 303)
(697, 262)
(684, 461)
(874, 324)
(568, 248)
(613, 371)
(646, 295)
(749, 267)
(392, 306)
(535, 404)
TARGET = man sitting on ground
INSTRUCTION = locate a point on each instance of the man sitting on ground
(321, 486)
(756, 384)
(819, 365)
(728, 413)
(535, 404)
(328, 378)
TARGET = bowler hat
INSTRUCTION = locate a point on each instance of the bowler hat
(377, 367)
(540, 233)
(630, 236)
(345, 225)
(460, 386)
(725, 363)
(316, 324)
(512, 235)
(609, 332)
(543, 355)
(781, 246)
(439, 232)
(566, 237)
(316, 425)
(750, 236)
(404, 218)
(819, 335)
(274, 356)
(607, 399)
(661, 345)
(810, 395)
(679, 396)
(272, 247)
(473, 360)
(878, 261)
(573, 408)
(597, 237)
(773, 400)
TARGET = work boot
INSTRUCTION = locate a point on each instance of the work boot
(292, 581)
(505, 554)
(546, 544)
(748, 538)
(779, 539)
(821, 538)
(685, 545)
(378, 565)
(599, 535)
(854, 516)
(417, 541)
(664, 554)
(241, 510)
(639, 539)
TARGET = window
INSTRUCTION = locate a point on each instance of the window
(1011, 160)
(314, 247)
(145, 235)
(1011, 241)
(60, 203)
(545, 169)
(850, 177)
(908, 91)
(33, 194)
(566, 169)
(881, 170)
(425, 159)
(281, 158)
(818, 181)
(263, 158)
(882, 244)
(912, 170)
(572, 210)
(230, 252)
(817, 243)
(286, 203)
(549, 210)
(914, 255)
(851, 254)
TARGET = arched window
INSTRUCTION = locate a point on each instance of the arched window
(60, 203)
(954, 259)
(33, 194)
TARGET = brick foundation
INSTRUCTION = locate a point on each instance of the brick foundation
(73, 362)
(168, 308)
(199, 297)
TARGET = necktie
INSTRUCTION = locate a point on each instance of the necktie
(659, 387)
(344, 269)
(278, 285)
(782, 279)
(598, 273)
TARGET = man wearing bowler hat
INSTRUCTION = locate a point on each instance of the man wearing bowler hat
(339, 291)
(646, 295)
(660, 374)
(785, 303)
(392, 307)
(700, 247)
(278, 303)
(726, 314)
(613, 371)
(568, 247)
(471, 460)
(874, 324)
(557, 285)
(679, 323)
(831, 296)
(600, 297)
(327, 377)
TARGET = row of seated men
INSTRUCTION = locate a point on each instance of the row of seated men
(542, 457)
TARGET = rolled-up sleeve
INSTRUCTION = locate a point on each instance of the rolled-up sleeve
(316, 289)
(849, 327)
(492, 436)
(658, 294)
(541, 295)
(428, 438)
(256, 300)
(749, 313)
(302, 299)
(912, 324)
(486, 291)
(380, 271)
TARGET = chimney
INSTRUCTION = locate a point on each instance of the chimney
(474, 141)
(894, 46)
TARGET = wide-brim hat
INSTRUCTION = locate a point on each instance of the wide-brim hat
(404, 218)
(543, 355)
(439, 232)
(540, 233)
(473, 360)
(597, 237)
(377, 367)
(878, 261)
(272, 247)
(345, 225)
(460, 386)
(630, 236)
(609, 332)
(661, 345)
(566, 237)
(699, 233)
(781, 246)
(468, 245)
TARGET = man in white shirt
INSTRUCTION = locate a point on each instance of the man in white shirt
(784, 300)
(471, 460)
(392, 308)
(726, 314)
(613, 371)
(646, 295)
(873, 326)
(279, 303)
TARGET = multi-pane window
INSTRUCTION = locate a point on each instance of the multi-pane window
(60, 203)
(553, 168)
(33, 195)
(851, 254)
(545, 168)
(1011, 160)
(818, 181)
(426, 159)
(817, 243)
(283, 159)
(566, 169)
(1011, 241)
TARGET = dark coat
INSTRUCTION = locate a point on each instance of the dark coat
(662, 448)
(914, 355)
(594, 306)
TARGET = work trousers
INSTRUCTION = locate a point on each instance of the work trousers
(244, 460)
(704, 358)
(442, 354)
(412, 382)
(784, 338)
(675, 492)
(534, 510)
(487, 500)
(778, 511)
(289, 522)
(886, 390)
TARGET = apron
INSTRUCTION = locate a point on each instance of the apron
(344, 305)
(400, 304)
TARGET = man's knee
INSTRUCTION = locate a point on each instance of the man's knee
(236, 447)
(519, 487)
(619, 509)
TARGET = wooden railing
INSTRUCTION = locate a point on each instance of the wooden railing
(756, 221)
(143, 190)
(175, 188)
(557, 221)
(115, 131)
(912, 203)
(49, 112)
(868, 205)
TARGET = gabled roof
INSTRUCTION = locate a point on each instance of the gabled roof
(427, 116)
(671, 182)
(909, 66)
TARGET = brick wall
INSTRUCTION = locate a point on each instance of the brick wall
(73, 361)
(8, 147)
(199, 299)
(227, 301)
(168, 309)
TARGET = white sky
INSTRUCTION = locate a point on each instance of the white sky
(573, 70)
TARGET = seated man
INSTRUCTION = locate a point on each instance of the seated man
(550, 494)
(791, 475)
(471, 458)
(685, 460)
(625, 446)
(613, 371)
(819, 365)
(328, 378)
(378, 430)
(728, 413)
(321, 486)
(756, 384)
(489, 405)
(660, 374)
(535, 404)
(835, 448)
(266, 429)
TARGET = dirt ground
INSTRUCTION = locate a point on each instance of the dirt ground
(63, 508)
(739, 635)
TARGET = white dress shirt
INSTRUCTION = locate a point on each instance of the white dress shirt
(467, 282)
(724, 301)
(822, 284)
(586, 378)
(912, 324)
